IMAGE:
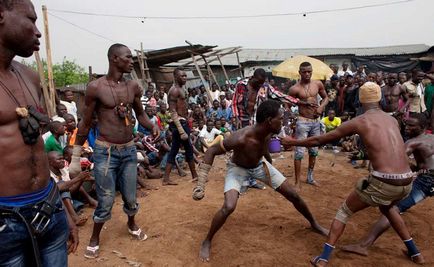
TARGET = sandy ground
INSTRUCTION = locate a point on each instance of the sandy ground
(264, 230)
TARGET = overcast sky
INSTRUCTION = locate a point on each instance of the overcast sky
(406, 23)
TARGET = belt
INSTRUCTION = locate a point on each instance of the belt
(308, 119)
(39, 223)
(393, 176)
(109, 145)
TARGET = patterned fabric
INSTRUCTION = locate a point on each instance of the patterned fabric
(240, 100)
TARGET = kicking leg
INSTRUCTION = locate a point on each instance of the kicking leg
(289, 193)
(231, 198)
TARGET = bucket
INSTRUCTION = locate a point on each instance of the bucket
(274, 145)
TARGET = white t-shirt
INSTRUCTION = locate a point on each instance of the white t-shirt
(64, 175)
(209, 136)
(215, 95)
(71, 108)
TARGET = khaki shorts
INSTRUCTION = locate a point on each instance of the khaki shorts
(376, 193)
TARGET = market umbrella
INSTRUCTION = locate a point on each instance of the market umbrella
(289, 68)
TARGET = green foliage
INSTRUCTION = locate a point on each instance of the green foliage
(66, 73)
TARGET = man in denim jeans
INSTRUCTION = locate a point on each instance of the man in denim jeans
(178, 108)
(113, 99)
(308, 123)
(421, 145)
(33, 225)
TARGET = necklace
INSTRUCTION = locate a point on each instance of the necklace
(122, 110)
(307, 90)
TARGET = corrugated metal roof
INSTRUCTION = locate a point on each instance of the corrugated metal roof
(282, 54)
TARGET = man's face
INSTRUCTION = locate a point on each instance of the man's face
(223, 121)
(181, 78)
(162, 88)
(209, 126)
(257, 82)
(70, 123)
(57, 162)
(349, 80)
(391, 79)
(124, 59)
(18, 31)
(67, 155)
(223, 104)
(61, 110)
(61, 129)
(372, 77)
(402, 78)
(215, 104)
(163, 108)
(331, 115)
(69, 96)
(149, 112)
(214, 87)
(420, 76)
(412, 127)
(341, 81)
(344, 66)
(218, 125)
(276, 123)
(305, 73)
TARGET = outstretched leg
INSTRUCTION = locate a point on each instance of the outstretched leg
(231, 198)
(289, 193)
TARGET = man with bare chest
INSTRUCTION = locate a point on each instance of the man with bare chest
(113, 99)
(33, 223)
(308, 123)
(178, 109)
(393, 93)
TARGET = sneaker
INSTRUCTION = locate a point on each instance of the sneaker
(258, 186)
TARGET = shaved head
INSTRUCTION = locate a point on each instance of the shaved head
(114, 49)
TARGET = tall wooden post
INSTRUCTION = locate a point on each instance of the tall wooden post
(52, 89)
(206, 85)
(224, 70)
(239, 66)
(46, 94)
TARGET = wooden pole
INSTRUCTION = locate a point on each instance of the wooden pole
(90, 73)
(44, 85)
(52, 89)
(223, 68)
(145, 64)
(239, 66)
(211, 73)
(203, 80)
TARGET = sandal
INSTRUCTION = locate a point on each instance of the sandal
(91, 252)
(138, 234)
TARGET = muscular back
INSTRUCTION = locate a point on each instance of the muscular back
(382, 139)
(23, 168)
(178, 101)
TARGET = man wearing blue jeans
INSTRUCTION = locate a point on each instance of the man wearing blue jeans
(113, 99)
(33, 224)
(421, 146)
(308, 123)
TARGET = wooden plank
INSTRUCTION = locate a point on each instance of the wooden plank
(45, 92)
(239, 66)
(224, 70)
(203, 80)
(51, 88)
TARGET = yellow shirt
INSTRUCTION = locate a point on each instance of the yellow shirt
(331, 125)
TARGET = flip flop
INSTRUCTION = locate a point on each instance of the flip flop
(317, 259)
(91, 252)
(138, 234)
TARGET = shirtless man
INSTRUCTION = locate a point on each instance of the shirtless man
(308, 123)
(391, 178)
(25, 185)
(249, 163)
(421, 145)
(392, 93)
(178, 109)
(113, 99)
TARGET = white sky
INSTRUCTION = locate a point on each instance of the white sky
(407, 23)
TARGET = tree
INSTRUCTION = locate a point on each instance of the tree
(66, 73)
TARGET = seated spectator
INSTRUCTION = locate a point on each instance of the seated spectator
(57, 139)
(210, 135)
(331, 122)
(60, 111)
(150, 111)
(61, 176)
(225, 111)
(215, 111)
(164, 116)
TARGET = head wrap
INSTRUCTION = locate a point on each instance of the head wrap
(370, 93)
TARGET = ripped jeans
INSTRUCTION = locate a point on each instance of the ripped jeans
(115, 167)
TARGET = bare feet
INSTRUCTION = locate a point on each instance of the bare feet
(169, 182)
(356, 249)
(205, 250)
(419, 259)
(297, 187)
(181, 173)
(319, 229)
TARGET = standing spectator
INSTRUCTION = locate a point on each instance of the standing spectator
(60, 111)
(361, 71)
(214, 92)
(164, 116)
(342, 87)
(414, 96)
(163, 94)
(69, 103)
(344, 70)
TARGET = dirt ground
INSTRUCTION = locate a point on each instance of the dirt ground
(264, 230)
